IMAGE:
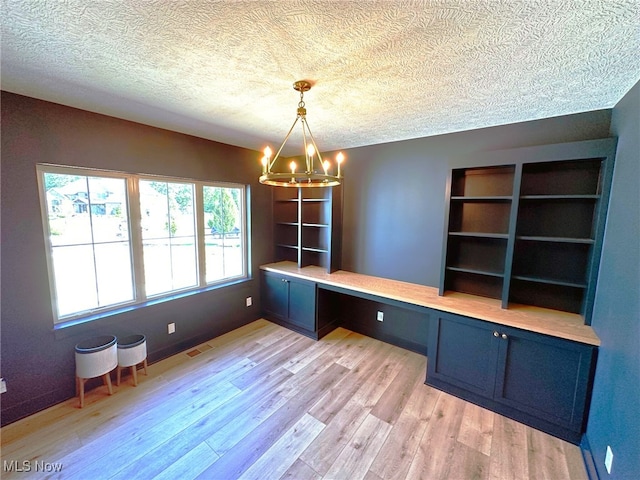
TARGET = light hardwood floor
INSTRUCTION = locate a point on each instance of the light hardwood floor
(263, 402)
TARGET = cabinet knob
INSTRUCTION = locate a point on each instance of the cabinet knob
(504, 336)
(496, 334)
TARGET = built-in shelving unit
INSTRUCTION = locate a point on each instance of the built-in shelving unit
(308, 226)
(478, 230)
(286, 213)
(555, 233)
(530, 232)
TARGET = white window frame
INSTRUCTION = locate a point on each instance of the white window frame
(136, 242)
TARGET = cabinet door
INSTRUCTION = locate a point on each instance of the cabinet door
(302, 304)
(275, 296)
(463, 352)
(543, 376)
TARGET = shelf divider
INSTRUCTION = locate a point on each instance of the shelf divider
(531, 238)
(548, 281)
(476, 272)
(480, 235)
(560, 197)
(488, 198)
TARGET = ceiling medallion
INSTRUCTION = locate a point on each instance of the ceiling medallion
(310, 177)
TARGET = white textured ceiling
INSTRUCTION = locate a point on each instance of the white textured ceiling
(383, 71)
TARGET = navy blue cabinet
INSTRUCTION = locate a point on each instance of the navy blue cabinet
(536, 379)
(275, 297)
(289, 301)
(462, 353)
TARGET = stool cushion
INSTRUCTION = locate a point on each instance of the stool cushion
(131, 341)
(96, 344)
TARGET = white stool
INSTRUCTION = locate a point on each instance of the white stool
(132, 350)
(94, 358)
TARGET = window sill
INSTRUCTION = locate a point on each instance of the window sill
(79, 325)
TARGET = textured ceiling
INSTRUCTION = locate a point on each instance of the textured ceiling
(383, 71)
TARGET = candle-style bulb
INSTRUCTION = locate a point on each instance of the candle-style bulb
(311, 150)
(266, 160)
(339, 160)
(292, 166)
(325, 165)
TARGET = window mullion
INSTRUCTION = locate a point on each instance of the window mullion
(200, 233)
(170, 237)
(93, 244)
(223, 214)
(135, 229)
(246, 223)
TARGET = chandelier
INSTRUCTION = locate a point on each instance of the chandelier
(315, 172)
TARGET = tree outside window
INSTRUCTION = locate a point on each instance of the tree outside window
(224, 239)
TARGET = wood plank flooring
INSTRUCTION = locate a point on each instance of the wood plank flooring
(263, 402)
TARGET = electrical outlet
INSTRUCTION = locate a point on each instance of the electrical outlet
(380, 316)
(171, 328)
(249, 301)
(608, 459)
(3, 385)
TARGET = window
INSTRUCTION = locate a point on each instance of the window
(119, 239)
(90, 248)
(224, 232)
(168, 236)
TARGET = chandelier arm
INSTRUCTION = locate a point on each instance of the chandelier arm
(282, 145)
(313, 141)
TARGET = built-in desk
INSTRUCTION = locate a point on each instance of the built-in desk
(531, 364)
(554, 323)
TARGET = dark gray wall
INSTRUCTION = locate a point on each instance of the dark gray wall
(394, 194)
(37, 362)
(615, 409)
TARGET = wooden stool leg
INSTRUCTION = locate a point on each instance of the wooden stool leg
(118, 373)
(107, 380)
(134, 374)
(145, 366)
(81, 388)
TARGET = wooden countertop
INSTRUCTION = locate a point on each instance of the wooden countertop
(559, 324)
